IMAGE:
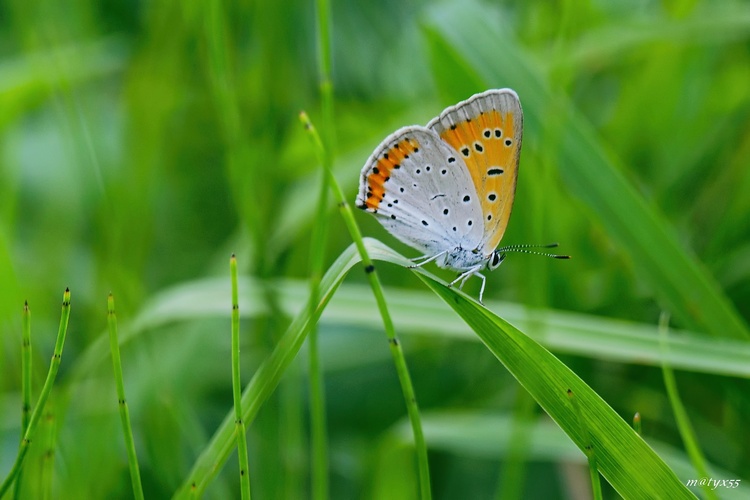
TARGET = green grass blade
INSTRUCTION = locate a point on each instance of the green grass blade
(623, 458)
(681, 416)
(239, 424)
(26, 367)
(478, 35)
(25, 383)
(46, 476)
(325, 152)
(513, 472)
(127, 431)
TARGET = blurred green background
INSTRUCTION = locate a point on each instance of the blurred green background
(143, 142)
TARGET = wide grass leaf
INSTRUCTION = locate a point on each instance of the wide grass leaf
(623, 458)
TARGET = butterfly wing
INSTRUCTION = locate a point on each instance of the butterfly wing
(486, 130)
(420, 189)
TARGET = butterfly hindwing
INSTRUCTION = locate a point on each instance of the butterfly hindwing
(486, 130)
(421, 191)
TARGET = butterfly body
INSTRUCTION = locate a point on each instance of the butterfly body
(447, 189)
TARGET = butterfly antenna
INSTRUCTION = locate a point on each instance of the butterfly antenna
(525, 248)
(528, 245)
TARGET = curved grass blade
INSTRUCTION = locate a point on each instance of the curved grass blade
(623, 458)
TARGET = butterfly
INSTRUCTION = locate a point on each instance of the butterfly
(447, 189)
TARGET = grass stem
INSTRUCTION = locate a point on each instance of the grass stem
(127, 431)
(25, 382)
(318, 431)
(680, 415)
(237, 385)
(397, 352)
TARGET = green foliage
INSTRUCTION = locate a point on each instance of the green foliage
(142, 143)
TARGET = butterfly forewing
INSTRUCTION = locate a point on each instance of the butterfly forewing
(486, 131)
(421, 191)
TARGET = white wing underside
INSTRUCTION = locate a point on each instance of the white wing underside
(429, 201)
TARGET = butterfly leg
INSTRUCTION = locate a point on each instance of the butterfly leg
(427, 259)
(481, 290)
(464, 276)
(474, 271)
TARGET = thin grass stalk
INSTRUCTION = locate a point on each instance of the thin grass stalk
(237, 385)
(318, 431)
(25, 382)
(46, 389)
(395, 346)
(513, 473)
(127, 431)
(26, 367)
(683, 422)
(48, 459)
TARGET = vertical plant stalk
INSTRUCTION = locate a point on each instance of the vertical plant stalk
(26, 368)
(114, 346)
(683, 422)
(596, 484)
(318, 420)
(25, 382)
(46, 389)
(48, 459)
(513, 473)
(237, 385)
(395, 346)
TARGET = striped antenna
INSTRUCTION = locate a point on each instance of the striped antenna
(525, 248)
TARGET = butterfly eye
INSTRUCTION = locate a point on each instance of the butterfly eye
(495, 260)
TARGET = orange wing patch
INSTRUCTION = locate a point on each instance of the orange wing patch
(488, 145)
(380, 173)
